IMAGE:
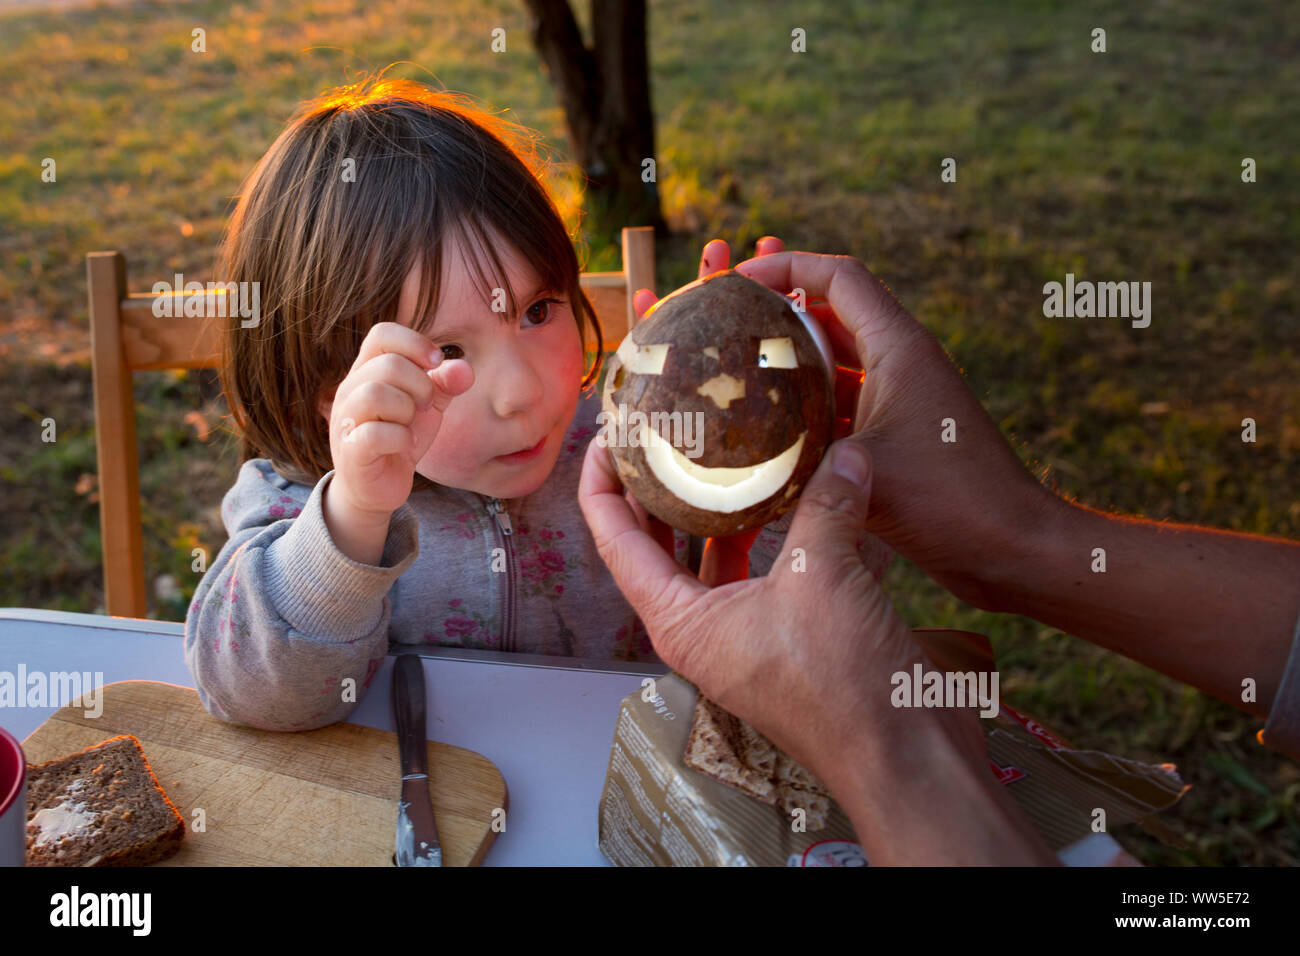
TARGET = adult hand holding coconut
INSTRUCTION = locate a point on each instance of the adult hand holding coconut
(950, 495)
(932, 497)
(805, 655)
(797, 655)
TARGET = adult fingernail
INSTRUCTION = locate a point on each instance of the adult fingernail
(850, 462)
(435, 358)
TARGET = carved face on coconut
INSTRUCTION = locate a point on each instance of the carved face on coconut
(734, 393)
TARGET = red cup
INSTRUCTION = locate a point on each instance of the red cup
(13, 801)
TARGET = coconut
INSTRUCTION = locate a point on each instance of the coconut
(718, 405)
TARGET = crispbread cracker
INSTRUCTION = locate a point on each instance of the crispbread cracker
(730, 751)
(758, 752)
(792, 773)
(815, 803)
(713, 748)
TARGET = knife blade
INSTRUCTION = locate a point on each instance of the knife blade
(417, 834)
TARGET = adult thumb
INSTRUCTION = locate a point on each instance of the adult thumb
(832, 510)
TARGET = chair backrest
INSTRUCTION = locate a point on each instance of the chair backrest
(127, 337)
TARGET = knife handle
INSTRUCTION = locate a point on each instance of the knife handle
(408, 703)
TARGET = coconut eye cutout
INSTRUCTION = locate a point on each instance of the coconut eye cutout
(776, 353)
(642, 359)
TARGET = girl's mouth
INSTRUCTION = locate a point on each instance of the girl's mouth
(526, 455)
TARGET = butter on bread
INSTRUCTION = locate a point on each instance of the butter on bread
(102, 806)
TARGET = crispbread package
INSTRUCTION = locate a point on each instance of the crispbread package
(656, 810)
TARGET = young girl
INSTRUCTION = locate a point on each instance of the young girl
(390, 491)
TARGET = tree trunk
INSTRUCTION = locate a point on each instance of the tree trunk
(605, 94)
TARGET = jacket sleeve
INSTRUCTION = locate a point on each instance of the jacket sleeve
(285, 631)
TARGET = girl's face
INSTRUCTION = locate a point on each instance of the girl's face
(527, 374)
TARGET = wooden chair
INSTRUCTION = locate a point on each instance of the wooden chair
(126, 337)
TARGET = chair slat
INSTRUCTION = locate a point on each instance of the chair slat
(115, 440)
(154, 341)
(638, 264)
(610, 303)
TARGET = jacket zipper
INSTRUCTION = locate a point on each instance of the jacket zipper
(505, 530)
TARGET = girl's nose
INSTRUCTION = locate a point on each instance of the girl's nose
(518, 386)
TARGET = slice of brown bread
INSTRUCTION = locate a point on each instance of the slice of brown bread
(100, 807)
(729, 750)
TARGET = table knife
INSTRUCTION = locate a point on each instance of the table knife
(417, 834)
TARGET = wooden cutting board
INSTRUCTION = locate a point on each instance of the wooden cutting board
(324, 797)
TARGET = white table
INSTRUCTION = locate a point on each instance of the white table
(546, 722)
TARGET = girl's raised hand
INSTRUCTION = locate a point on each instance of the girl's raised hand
(385, 415)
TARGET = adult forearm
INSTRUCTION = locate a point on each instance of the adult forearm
(1210, 608)
(917, 799)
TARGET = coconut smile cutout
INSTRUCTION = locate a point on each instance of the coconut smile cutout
(719, 489)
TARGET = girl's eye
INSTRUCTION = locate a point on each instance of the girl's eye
(545, 304)
(448, 349)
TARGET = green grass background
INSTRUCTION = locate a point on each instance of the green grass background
(1117, 166)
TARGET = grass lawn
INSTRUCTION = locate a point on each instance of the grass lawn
(1124, 165)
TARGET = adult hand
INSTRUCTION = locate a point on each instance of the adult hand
(959, 508)
(806, 655)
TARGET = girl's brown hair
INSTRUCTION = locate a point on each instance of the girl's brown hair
(366, 181)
